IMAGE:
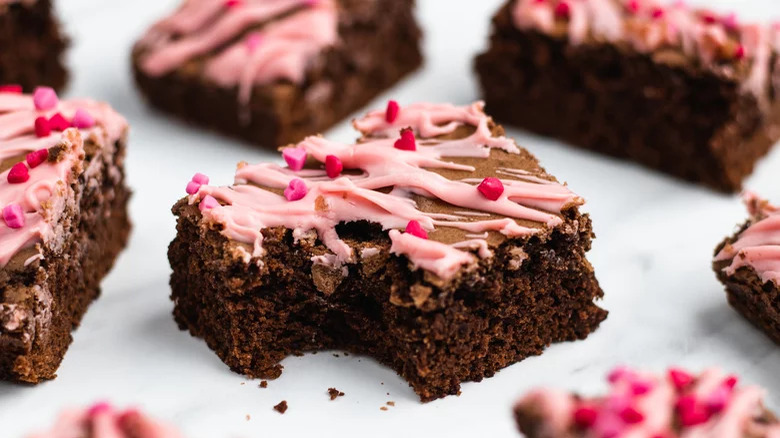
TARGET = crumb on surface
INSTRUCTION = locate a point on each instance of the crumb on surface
(281, 407)
(346, 354)
(248, 417)
(336, 355)
(391, 403)
(263, 384)
(335, 393)
(383, 408)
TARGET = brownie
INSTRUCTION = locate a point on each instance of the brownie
(267, 81)
(490, 267)
(32, 45)
(748, 264)
(104, 420)
(64, 221)
(688, 92)
(675, 404)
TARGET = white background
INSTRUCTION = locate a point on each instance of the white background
(652, 256)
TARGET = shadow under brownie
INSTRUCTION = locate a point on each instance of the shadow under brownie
(32, 46)
(295, 68)
(689, 92)
(64, 221)
(491, 267)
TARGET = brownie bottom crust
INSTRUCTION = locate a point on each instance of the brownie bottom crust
(370, 59)
(757, 301)
(73, 281)
(31, 46)
(691, 125)
(435, 338)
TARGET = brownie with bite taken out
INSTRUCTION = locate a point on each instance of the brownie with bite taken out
(434, 244)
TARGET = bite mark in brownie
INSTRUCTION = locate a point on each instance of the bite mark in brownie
(394, 247)
(678, 404)
(748, 264)
(64, 221)
(689, 92)
(31, 45)
(249, 70)
(103, 420)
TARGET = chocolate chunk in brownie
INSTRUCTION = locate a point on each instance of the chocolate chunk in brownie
(688, 92)
(435, 245)
(249, 71)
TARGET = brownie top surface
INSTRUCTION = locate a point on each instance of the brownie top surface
(674, 33)
(757, 245)
(104, 420)
(240, 43)
(677, 404)
(45, 145)
(444, 174)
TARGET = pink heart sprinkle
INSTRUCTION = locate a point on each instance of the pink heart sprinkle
(407, 141)
(99, 408)
(45, 98)
(641, 387)
(192, 187)
(129, 420)
(11, 89)
(82, 119)
(13, 216)
(200, 178)
(631, 415)
(415, 229)
(295, 190)
(731, 22)
(18, 174)
(391, 114)
(253, 41)
(633, 6)
(585, 416)
(208, 202)
(36, 158)
(717, 401)
(42, 127)
(58, 122)
(233, 3)
(295, 158)
(657, 13)
(680, 378)
(491, 188)
(333, 166)
(563, 10)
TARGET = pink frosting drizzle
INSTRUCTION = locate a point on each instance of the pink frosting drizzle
(758, 246)
(253, 43)
(103, 421)
(724, 410)
(247, 209)
(42, 197)
(647, 26)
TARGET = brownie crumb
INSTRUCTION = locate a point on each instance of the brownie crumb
(346, 354)
(336, 355)
(383, 408)
(263, 384)
(248, 417)
(281, 407)
(391, 403)
(335, 393)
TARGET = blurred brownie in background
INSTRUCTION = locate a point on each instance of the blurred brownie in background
(274, 71)
(31, 46)
(689, 92)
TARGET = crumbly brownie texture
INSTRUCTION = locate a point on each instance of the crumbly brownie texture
(274, 71)
(748, 264)
(688, 92)
(104, 421)
(491, 267)
(678, 404)
(64, 221)
(31, 45)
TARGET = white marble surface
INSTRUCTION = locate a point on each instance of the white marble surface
(652, 256)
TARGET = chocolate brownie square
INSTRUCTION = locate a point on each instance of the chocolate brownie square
(677, 404)
(64, 220)
(434, 244)
(274, 71)
(31, 45)
(748, 264)
(689, 92)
